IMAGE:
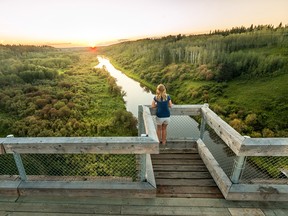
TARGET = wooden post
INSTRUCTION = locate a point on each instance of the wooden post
(143, 173)
(20, 166)
(203, 123)
(239, 165)
(141, 127)
(19, 163)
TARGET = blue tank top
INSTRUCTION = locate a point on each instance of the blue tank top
(162, 107)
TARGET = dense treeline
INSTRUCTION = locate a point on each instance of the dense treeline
(206, 68)
(51, 92)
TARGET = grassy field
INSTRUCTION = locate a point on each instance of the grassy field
(257, 95)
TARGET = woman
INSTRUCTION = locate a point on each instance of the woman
(162, 102)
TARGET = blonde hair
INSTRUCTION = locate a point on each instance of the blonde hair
(161, 92)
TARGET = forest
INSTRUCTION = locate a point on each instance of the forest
(242, 73)
(48, 92)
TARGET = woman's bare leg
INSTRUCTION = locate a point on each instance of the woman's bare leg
(164, 133)
(159, 134)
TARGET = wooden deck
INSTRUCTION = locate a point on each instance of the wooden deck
(184, 187)
(64, 206)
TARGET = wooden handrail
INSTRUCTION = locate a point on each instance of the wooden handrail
(241, 145)
(77, 145)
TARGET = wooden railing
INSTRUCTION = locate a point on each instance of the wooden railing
(144, 145)
(242, 147)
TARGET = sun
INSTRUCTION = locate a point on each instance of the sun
(92, 44)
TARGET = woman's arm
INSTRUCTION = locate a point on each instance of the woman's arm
(154, 104)
(170, 104)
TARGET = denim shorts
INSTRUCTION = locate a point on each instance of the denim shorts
(160, 121)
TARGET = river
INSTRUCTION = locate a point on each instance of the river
(135, 94)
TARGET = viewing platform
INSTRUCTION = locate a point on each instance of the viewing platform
(211, 171)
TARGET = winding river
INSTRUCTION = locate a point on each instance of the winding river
(135, 94)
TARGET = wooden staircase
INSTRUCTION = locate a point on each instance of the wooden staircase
(180, 172)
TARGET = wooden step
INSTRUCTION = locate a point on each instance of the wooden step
(182, 173)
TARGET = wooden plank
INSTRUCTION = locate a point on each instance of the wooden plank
(29, 213)
(177, 162)
(149, 124)
(175, 156)
(141, 126)
(190, 195)
(275, 212)
(228, 134)
(165, 150)
(269, 181)
(188, 189)
(263, 192)
(9, 177)
(180, 168)
(9, 188)
(80, 189)
(186, 182)
(77, 145)
(181, 144)
(175, 210)
(149, 171)
(157, 201)
(60, 208)
(189, 110)
(8, 198)
(183, 175)
(245, 211)
(215, 170)
(264, 147)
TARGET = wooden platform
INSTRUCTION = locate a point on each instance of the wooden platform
(180, 172)
(185, 187)
(64, 206)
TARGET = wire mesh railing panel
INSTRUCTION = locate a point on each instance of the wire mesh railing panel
(266, 170)
(8, 165)
(181, 127)
(272, 169)
(220, 151)
(108, 167)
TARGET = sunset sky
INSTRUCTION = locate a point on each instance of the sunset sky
(94, 22)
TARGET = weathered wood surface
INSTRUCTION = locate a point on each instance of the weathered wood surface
(150, 178)
(2, 149)
(257, 192)
(9, 188)
(215, 170)
(243, 146)
(264, 147)
(228, 134)
(80, 206)
(149, 124)
(182, 174)
(190, 110)
(86, 189)
(77, 145)
(264, 192)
